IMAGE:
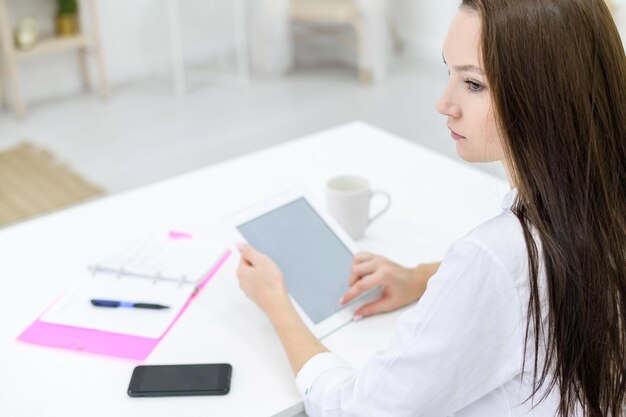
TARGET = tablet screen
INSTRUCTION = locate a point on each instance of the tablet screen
(315, 263)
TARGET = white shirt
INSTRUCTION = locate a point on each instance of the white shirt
(458, 351)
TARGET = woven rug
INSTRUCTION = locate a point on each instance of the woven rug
(34, 182)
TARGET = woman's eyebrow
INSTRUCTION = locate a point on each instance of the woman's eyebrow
(468, 68)
(460, 68)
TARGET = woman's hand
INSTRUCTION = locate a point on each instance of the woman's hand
(260, 278)
(401, 286)
(263, 282)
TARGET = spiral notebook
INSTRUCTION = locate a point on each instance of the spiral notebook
(167, 270)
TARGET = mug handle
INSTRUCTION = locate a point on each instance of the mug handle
(380, 213)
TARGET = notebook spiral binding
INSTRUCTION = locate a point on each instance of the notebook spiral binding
(98, 269)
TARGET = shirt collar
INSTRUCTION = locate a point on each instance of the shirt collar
(509, 199)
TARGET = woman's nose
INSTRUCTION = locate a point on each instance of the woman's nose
(440, 105)
(446, 106)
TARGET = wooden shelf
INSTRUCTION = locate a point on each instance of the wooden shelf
(83, 43)
(53, 45)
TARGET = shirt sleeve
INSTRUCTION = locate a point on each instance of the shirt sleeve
(462, 340)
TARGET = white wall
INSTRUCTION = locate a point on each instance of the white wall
(620, 17)
(424, 23)
(135, 37)
(135, 41)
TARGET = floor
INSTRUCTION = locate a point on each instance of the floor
(143, 133)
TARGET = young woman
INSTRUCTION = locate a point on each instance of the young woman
(526, 315)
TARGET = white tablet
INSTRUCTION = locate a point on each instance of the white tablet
(313, 252)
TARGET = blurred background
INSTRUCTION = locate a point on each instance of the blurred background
(108, 95)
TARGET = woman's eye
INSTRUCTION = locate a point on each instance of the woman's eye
(473, 86)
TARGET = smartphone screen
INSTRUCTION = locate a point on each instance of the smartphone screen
(180, 380)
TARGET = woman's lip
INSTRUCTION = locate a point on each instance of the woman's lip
(456, 136)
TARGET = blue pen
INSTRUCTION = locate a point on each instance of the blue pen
(129, 304)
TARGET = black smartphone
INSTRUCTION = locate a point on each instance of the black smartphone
(180, 380)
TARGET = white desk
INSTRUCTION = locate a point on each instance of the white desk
(436, 200)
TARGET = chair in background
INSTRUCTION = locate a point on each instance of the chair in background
(179, 77)
(368, 20)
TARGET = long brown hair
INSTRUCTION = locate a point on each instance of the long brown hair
(557, 74)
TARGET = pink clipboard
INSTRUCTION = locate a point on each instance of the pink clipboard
(107, 343)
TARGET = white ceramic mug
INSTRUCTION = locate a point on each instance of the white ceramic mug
(348, 200)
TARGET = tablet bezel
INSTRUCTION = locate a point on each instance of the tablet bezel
(345, 314)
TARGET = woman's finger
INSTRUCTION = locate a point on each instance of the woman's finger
(243, 269)
(249, 254)
(362, 257)
(363, 285)
(382, 305)
(360, 270)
